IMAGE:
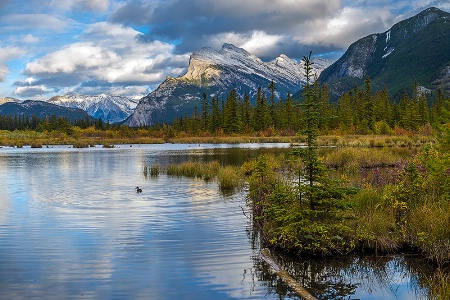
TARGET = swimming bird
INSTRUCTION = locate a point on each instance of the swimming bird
(138, 190)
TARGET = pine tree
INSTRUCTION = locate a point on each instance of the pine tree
(289, 114)
(216, 115)
(272, 105)
(345, 112)
(247, 113)
(232, 120)
(260, 111)
(205, 112)
(368, 117)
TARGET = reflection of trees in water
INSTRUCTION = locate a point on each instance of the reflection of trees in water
(339, 278)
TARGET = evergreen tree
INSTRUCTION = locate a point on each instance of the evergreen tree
(216, 115)
(314, 170)
(260, 111)
(247, 113)
(232, 121)
(368, 117)
(272, 105)
(345, 112)
(289, 114)
(205, 112)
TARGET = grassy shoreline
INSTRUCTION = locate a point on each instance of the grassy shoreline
(94, 137)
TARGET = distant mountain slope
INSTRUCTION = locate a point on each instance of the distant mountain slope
(415, 49)
(41, 109)
(217, 73)
(110, 108)
(8, 99)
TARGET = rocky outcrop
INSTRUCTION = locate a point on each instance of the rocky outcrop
(415, 49)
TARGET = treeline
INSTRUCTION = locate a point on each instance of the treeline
(359, 111)
(52, 123)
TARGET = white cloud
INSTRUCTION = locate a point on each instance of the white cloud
(6, 55)
(89, 5)
(35, 21)
(109, 55)
(29, 39)
(76, 57)
(257, 42)
(31, 90)
(300, 9)
(347, 26)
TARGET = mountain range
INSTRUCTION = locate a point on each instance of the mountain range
(413, 50)
(110, 108)
(216, 73)
(41, 109)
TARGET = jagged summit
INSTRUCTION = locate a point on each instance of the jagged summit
(216, 73)
(206, 65)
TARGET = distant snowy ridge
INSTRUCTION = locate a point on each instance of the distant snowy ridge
(110, 108)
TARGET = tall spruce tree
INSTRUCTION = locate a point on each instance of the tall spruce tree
(205, 112)
(260, 111)
(272, 104)
(232, 120)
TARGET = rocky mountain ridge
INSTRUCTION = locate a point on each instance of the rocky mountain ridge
(216, 73)
(415, 49)
(110, 108)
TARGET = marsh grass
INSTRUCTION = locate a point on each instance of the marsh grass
(80, 144)
(234, 139)
(154, 170)
(354, 159)
(375, 141)
(429, 230)
(374, 222)
(206, 171)
(228, 178)
(440, 285)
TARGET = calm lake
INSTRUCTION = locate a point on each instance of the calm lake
(73, 227)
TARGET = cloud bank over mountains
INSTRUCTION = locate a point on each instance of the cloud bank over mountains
(128, 47)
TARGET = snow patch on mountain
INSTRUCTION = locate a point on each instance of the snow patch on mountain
(216, 73)
(110, 108)
(389, 51)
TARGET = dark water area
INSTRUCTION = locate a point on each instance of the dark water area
(73, 227)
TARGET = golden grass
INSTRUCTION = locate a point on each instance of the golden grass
(230, 178)
(355, 158)
(93, 136)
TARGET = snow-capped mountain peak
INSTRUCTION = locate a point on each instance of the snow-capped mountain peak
(110, 108)
(216, 72)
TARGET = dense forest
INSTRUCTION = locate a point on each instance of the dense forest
(52, 123)
(359, 111)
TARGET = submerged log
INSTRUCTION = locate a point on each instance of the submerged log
(291, 282)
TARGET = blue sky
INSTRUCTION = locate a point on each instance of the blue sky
(128, 47)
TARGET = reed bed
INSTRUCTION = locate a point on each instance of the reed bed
(375, 141)
(206, 171)
(440, 285)
(155, 170)
(354, 159)
(228, 178)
